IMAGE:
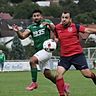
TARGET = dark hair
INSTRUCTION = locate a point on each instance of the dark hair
(37, 11)
(67, 11)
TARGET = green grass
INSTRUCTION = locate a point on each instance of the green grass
(14, 83)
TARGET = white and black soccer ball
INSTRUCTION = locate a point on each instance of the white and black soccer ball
(49, 45)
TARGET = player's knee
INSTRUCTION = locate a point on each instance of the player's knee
(89, 75)
(32, 63)
(59, 76)
(93, 75)
(47, 73)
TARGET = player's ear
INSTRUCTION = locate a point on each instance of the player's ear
(70, 19)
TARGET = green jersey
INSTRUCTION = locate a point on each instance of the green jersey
(39, 33)
(2, 57)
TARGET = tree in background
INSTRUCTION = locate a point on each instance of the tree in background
(53, 11)
(87, 5)
(18, 51)
(83, 18)
(16, 1)
(70, 5)
(24, 9)
(6, 7)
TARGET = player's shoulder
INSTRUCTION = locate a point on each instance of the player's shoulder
(58, 25)
(46, 20)
(31, 25)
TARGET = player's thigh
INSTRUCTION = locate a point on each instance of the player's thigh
(43, 55)
(45, 65)
(60, 71)
(86, 72)
(34, 59)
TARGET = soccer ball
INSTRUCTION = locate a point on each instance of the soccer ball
(49, 45)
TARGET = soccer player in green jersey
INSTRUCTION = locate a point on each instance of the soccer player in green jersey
(2, 60)
(40, 30)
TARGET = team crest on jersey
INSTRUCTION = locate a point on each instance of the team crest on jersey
(41, 25)
(70, 29)
(34, 26)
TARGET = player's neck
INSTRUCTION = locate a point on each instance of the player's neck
(67, 25)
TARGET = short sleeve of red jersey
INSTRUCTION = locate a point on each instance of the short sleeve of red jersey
(82, 28)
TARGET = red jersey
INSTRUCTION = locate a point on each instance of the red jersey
(69, 40)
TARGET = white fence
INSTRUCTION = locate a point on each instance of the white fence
(16, 66)
(24, 65)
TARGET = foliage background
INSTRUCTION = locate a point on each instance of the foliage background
(84, 11)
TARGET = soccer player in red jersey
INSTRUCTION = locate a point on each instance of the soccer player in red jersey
(71, 52)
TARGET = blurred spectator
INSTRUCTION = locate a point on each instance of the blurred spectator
(2, 60)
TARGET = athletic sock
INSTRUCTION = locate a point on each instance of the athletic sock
(60, 86)
(34, 74)
(93, 76)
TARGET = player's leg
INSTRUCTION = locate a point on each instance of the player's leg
(89, 74)
(63, 65)
(46, 65)
(52, 77)
(2, 65)
(47, 71)
(33, 62)
(38, 58)
(86, 71)
(49, 75)
(81, 64)
(60, 81)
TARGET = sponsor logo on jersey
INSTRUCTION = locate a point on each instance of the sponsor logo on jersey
(34, 26)
(39, 32)
(70, 29)
(41, 25)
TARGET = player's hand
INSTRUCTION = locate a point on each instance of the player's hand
(56, 40)
(15, 28)
(45, 23)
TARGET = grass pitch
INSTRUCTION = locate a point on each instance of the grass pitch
(14, 83)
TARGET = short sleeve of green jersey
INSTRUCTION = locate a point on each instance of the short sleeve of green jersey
(47, 20)
(29, 27)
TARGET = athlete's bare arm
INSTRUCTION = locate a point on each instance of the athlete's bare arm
(22, 35)
(90, 30)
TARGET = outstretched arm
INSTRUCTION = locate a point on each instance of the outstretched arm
(90, 30)
(22, 35)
